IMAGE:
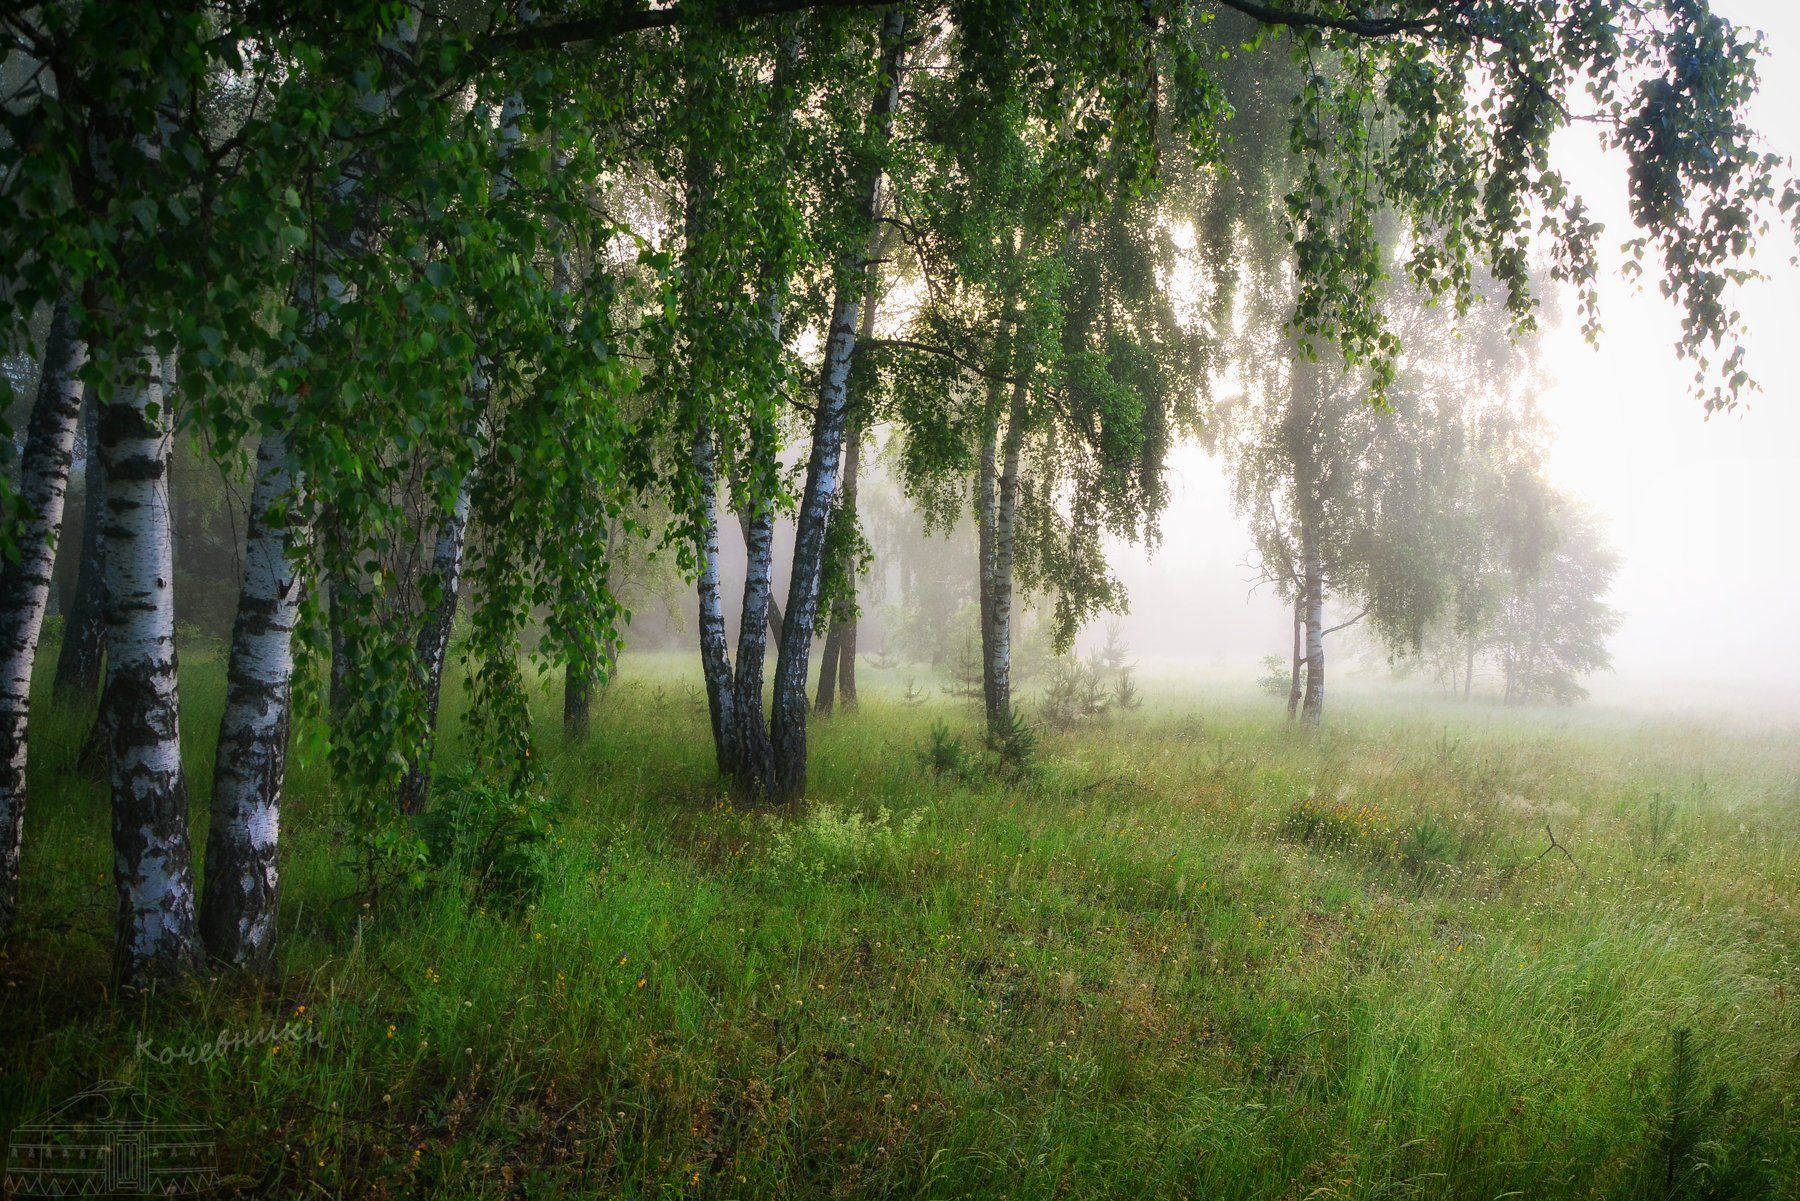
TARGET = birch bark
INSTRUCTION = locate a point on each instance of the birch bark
(78, 662)
(44, 468)
(1313, 704)
(788, 730)
(240, 899)
(152, 861)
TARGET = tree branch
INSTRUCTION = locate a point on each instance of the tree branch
(943, 351)
(1367, 27)
(618, 24)
(1343, 625)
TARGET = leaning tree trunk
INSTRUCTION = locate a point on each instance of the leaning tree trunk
(25, 582)
(1298, 658)
(997, 642)
(238, 904)
(841, 645)
(433, 645)
(152, 862)
(84, 633)
(788, 730)
(757, 608)
(1313, 704)
(748, 524)
(448, 554)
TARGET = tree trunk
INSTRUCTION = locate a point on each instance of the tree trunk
(583, 676)
(1313, 705)
(84, 633)
(152, 861)
(986, 475)
(239, 900)
(715, 646)
(25, 583)
(789, 725)
(843, 624)
(434, 642)
(747, 524)
(825, 699)
(1005, 529)
(1469, 671)
(453, 529)
(337, 600)
(1299, 657)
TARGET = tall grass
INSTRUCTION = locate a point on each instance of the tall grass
(1192, 952)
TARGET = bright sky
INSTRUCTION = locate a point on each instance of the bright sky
(1704, 511)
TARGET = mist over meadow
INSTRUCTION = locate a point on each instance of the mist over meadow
(790, 598)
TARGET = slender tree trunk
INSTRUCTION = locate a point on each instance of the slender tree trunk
(582, 677)
(825, 699)
(789, 725)
(238, 903)
(748, 525)
(715, 645)
(152, 861)
(1313, 705)
(337, 600)
(84, 633)
(433, 643)
(986, 508)
(843, 624)
(448, 553)
(1299, 657)
(1469, 671)
(997, 647)
(25, 583)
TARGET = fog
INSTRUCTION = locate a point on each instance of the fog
(1702, 510)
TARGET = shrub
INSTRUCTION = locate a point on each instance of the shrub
(496, 837)
(829, 841)
(1277, 678)
(947, 756)
(1015, 749)
(1074, 693)
(1426, 847)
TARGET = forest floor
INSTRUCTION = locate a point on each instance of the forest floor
(1186, 951)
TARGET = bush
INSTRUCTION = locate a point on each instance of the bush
(1075, 693)
(947, 756)
(496, 837)
(1277, 677)
(828, 841)
(1426, 847)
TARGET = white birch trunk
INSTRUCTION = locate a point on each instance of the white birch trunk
(239, 901)
(788, 728)
(434, 640)
(1313, 704)
(448, 552)
(715, 648)
(241, 894)
(25, 584)
(152, 861)
(999, 649)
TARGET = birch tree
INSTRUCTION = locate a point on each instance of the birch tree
(25, 581)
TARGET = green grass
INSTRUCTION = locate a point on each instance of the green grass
(1196, 953)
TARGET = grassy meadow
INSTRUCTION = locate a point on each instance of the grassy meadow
(1186, 951)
